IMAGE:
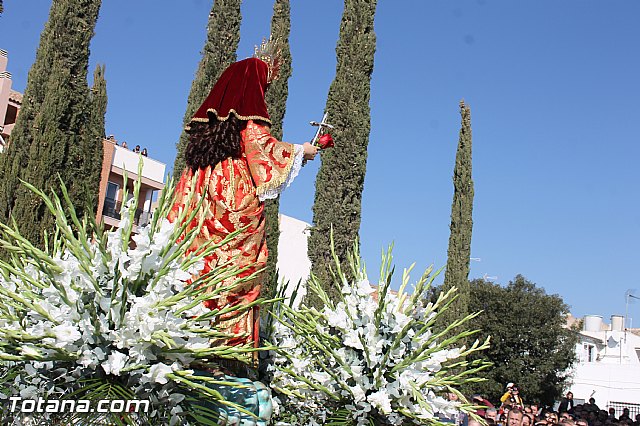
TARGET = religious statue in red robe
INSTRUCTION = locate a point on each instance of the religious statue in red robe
(239, 166)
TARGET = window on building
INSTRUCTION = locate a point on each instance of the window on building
(589, 352)
(111, 207)
(112, 191)
(11, 115)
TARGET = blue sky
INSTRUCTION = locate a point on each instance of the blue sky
(553, 88)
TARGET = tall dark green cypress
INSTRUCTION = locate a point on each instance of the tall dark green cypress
(459, 252)
(95, 133)
(49, 137)
(223, 36)
(15, 161)
(340, 180)
(277, 103)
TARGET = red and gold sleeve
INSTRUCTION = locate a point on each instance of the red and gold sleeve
(270, 161)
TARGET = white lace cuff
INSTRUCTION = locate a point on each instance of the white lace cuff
(295, 169)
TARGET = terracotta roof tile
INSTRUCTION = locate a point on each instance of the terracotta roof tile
(15, 96)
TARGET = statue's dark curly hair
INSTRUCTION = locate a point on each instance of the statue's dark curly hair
(213, 142)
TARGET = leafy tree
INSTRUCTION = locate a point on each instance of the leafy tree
(530, 343)
(459, 252)
(50, 136)
(223, 36)
(277, 103)
(340, 180)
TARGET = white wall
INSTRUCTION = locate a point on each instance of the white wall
(128, 160)
(293, 263)
(613, 374)
(607, 382)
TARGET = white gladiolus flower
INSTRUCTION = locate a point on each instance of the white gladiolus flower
(29, 392)
(38, 329)
(321, 377)
(66, 334)
(195, 345)
(337, 319)
(29, 351)
(373, 349)
(381, 401)
(105, 303)
(401, 321)
(300, 364)
(358, 393)
(114, 363)
(88, 359)
(158, 373)
(161, 237)
(352, 339)
(114, 306)
(364, 288)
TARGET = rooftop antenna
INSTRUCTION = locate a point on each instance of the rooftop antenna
(628, 296)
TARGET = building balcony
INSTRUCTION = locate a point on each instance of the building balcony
(117, 163)
(125, 160)
(111, 209)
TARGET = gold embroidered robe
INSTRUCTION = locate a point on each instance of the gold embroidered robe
(231, 203)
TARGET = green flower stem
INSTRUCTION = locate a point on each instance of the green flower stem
(21, 336)
(10, 269)
(31, 306)
(313, 385)
(211, 380)
(162, 211)
(330, 353)
(16, 358)
(440, 305)
(208, 391)
(83, 238)
(55, 207)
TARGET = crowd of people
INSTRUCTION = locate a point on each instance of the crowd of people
(512, 411)
(137, 150)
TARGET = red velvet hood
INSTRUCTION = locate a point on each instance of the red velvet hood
(239, 90)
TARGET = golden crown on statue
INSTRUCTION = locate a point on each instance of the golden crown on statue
(270, 52)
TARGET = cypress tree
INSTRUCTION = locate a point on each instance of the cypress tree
(459, 251)
(50, 132)
(277, 103)
(340, 180)
(92, 142)
(223, 36)
(16, 156)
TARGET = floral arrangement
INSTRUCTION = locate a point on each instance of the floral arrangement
(93, 317)
(372, 358)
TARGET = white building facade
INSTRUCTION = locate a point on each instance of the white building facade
(608, 365)
(294, 266)
(117, 162)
